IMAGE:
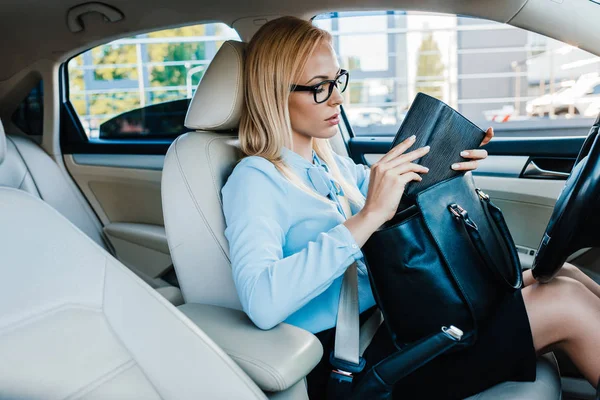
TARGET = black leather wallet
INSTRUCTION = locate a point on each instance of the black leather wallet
(438, 125)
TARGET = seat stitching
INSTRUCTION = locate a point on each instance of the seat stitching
(43, 314)
(20, 187)
(102, 379)
(258, 363)
(198, 208)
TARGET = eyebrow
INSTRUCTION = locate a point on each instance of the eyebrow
(324, 77)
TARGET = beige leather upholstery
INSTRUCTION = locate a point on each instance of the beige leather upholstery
(259, 353)
(76, 323)
(222, 87)
(196, 167)
(27, 167)
(546, 386)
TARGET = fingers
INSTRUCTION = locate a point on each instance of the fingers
(478, 154)
(409, 167)
(409, 177)
(489, 134)
(408, 157)
(398, 149)
(465, 166)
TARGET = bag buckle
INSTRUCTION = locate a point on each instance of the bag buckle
(458, 211)
(461, 213)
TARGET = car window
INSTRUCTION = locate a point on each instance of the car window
(29, 115)
(140, 87)
(492, 73)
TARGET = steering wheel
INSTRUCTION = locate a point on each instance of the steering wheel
(576, 216)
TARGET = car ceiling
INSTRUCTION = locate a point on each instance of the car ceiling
(35, 30)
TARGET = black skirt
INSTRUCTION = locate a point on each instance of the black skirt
(503, 352)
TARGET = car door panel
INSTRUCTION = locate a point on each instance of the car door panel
(124, 191)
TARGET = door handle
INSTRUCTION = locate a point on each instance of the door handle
(534, 171)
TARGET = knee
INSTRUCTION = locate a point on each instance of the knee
(569, 270)
(563, 294)
(566, 288)
(564, 300)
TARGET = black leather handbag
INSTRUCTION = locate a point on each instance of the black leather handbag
(446, 260)
(442, 263)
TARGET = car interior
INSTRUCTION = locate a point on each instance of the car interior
(117, 270)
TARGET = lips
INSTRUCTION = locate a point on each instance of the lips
(333, 120)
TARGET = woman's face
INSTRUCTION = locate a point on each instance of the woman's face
(308, 118)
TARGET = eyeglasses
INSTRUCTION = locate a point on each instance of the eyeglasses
(322, 91)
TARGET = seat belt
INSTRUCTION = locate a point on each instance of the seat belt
(351, 340)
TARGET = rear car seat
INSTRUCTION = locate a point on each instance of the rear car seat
(25, 166)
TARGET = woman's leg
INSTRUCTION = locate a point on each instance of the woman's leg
(569, 271)
(565, 314)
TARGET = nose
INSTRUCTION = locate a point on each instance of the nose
(336, 97)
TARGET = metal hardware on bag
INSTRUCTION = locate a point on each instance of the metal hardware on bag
(461, 213)
(453, 332)
(482, 195)
(458, 211)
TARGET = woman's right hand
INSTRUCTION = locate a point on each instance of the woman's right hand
(388, 178)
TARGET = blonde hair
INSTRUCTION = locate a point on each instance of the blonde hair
(276, 56)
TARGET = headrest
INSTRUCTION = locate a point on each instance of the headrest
(2, 143)
(217, 103)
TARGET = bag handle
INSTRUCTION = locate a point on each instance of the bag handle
(462, 215)
(498, 218)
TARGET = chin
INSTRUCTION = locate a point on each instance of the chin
(330, 132)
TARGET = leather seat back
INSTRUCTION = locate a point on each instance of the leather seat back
(196, 167)
(76, 323)
(25, 166)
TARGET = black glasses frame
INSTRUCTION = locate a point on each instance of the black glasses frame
(332, 83)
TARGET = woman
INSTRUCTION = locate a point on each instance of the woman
(290, 243)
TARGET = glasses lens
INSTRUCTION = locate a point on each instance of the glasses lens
(322, 92)
(342, 82)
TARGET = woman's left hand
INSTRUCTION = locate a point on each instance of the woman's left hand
(476, 154)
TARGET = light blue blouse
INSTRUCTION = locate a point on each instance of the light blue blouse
(289, 250)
